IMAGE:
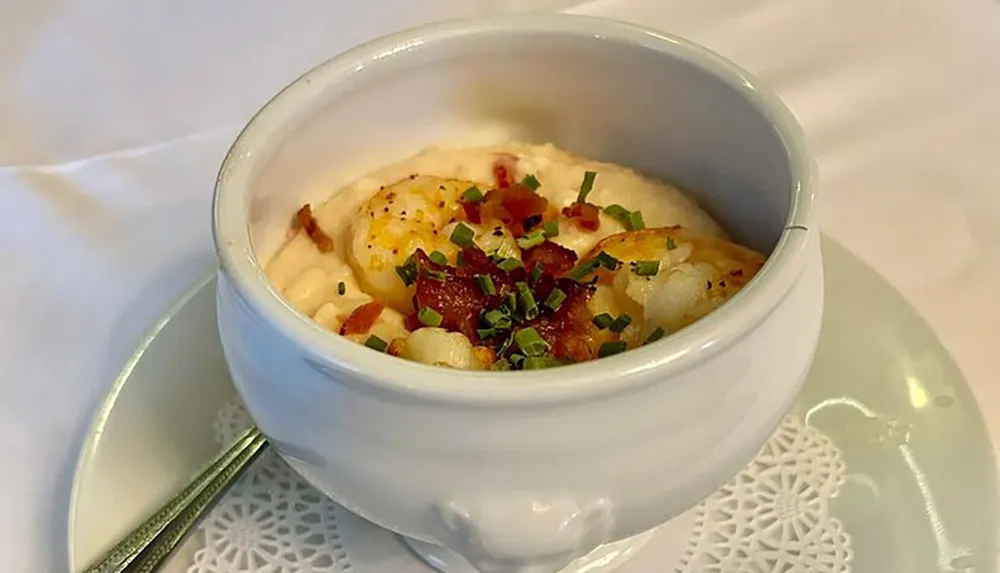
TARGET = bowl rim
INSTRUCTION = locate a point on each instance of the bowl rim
(673, 354)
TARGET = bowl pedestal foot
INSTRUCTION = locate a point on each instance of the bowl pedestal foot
(671, 540)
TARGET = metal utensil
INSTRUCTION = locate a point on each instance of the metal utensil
(148, 545)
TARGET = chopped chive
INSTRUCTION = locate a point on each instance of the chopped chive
(607, 261)
(646, 268)
(618, 213)
(408, 270)
(508, 264)
(671, 244)
(434, 274)
(586, 186)
(502, 364)
(486, 285)
(621, 323)
(603, 320)
(472, 195)
(516, 359)
(536, 273)
(530, 342)
(505, 345)
(463, 236)
(539, 362)
(584, 268)
(555, 299)
(497, 319)
(438, 257)
(655, 335)
(532, 239)
(531, 182)
(429, 317)
(341, 288)
(527, 301)
(376, 343)
(485, 332)
(550, 229)
(635, 222)
(511, 302)
(611, 348)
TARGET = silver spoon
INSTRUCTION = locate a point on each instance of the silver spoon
(147, 547)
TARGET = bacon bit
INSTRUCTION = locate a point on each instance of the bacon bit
(515, 206)
(472, 211)
(412, 322)
(363, 318)
(569, 331)
(304, 218)
(505, 170)
(396, 347)
(556, 260)
(585, 216)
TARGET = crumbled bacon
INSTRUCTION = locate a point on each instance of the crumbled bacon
(471, 209)
(396, 347)
(585, 216)
(505, 170)
(305, 219)
(458, 298)
(569, 331)
(516, 206)
(363, 318)
(555, 259)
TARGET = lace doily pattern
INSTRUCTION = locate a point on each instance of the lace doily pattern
(772, 517)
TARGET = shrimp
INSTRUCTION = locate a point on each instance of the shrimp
(670, 277)
(402, 217)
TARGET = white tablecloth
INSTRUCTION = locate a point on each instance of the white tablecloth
(114, 115)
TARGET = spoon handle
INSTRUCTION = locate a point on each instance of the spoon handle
(148, 545)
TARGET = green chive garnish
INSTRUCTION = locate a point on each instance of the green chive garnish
(530, 342)
(341, 288)
(511, 302)
(607, 261)
(508, 264)
(586, 186)
(635, 222)
(555, 299)
(463, 236)
(485, 332)
(611, 348)
(498, 319)
(408, 271)
(472, 195)
(647, 268)
(603, 320)
(584, 268)
(618, 213)
(655, 335)
(460, 259)
(539, 362)
(376, 343)
(532, 239)
(486, 285)
(536, 273)
(438, 257)
(620, 323)
(516, 359)
(435, 275)
(429, 317)
(527, 301)
(531, 182)
(550, 229)
(671, 244)
(502, 364)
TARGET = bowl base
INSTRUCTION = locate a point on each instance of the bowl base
(672, 541)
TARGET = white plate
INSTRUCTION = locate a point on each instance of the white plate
(917, 495)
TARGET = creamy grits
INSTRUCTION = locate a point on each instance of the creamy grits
(507, 257)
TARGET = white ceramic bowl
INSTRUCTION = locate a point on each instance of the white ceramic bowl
(524, 471)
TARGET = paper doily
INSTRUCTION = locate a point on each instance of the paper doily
(772, 517)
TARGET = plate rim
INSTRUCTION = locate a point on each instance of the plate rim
(100, 416)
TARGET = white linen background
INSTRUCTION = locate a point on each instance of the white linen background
(114, 115)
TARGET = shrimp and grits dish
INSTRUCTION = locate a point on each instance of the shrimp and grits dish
(507, 257)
